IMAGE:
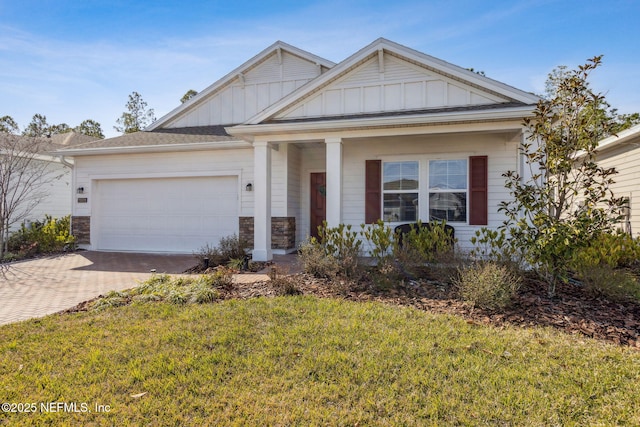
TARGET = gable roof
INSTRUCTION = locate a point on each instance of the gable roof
(381, 47)
(277, 48)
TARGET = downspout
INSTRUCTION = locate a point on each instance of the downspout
(65, 161)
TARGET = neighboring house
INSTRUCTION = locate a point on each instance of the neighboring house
(622, 152)
(289, 139)
(54, 193)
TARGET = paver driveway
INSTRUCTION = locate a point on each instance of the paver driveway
(43, 286)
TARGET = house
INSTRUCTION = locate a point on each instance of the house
(289, 139)
(622, 152)
(47, 175)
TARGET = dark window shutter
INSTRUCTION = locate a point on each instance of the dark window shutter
(373, 191)
(478, 177)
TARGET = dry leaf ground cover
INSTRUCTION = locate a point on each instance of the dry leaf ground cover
(304, 360)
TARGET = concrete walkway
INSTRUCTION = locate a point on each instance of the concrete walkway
(44, 286)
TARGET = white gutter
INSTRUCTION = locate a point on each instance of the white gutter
(64, 161)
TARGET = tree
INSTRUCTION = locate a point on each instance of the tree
(188, 95)
(24, 179)
(37, 127)
(8, 125)
(91, 128)
(567, 201)
(137, 116)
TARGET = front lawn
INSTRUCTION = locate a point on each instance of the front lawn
(307, 361)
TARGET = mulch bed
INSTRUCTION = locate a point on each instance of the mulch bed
(571, 310)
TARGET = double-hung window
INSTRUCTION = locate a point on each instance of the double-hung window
(448, 190)
(400, 182)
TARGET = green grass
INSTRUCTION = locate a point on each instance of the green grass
(307, 361)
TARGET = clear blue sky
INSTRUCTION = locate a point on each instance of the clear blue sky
(77, 59)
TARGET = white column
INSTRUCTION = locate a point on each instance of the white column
(334, 181)
(262, 201)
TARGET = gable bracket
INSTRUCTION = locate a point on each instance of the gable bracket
(279, 53)
(241, 79)
(381, 60)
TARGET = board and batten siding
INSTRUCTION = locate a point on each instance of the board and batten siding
(626, 159)
(401, 86)
(247, 95)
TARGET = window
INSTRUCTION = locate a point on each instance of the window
(448, 190)
(400, 191)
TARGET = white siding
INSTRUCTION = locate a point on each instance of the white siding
(264, 84)
(56, 193)
(500, 149)
(400, 86)
(626, 159)
(239, 162)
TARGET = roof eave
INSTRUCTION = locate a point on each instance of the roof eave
(250, 131)
(163, 148)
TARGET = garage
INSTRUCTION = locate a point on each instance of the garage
(175, 215)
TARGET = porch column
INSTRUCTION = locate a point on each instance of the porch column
(262, 201)
(334, 181)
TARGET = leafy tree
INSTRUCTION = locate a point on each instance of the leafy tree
(187, 96)
(567, 201)
(24, 180)
(137, 116)
(91, 128)
(8, 125)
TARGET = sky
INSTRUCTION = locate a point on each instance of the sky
(72, 60)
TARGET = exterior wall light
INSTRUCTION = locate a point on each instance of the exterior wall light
(249, 187)
(80, 190)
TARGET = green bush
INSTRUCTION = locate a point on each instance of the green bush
(229, 248)
(487, 285)
(614, 284)
(46, 236)
(615, 249)
(343, 245)
(316, 262)
(424, 247)
(381, 241)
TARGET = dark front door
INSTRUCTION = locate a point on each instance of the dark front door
(318, 201)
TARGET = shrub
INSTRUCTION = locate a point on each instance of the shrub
(616, 249)
(344, 245)
(487, 285)
(614, 284)
(495, 246)
(381, 241)
(316, 262)
(229, 248)
(46, 236)
(424, 245)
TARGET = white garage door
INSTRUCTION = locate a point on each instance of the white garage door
(165, 214)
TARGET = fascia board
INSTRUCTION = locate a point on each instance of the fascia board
(374, 122)
(233, 74)
(155, 148)
(624, 136)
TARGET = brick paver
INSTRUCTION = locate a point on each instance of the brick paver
(43, 286)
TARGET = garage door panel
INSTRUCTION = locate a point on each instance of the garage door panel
(165, 214)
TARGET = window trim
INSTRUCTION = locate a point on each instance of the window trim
(429, 190)
(417, 190)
